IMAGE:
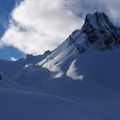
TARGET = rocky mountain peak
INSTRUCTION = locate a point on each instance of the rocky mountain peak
(97, 20)
(99, 29)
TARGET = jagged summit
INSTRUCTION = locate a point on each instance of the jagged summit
(98, 32)
(99, 29)
(97, 20)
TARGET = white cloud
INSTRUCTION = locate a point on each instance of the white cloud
(39, 25)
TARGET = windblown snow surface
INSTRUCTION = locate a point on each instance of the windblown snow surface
(17, 105)
(76, 81)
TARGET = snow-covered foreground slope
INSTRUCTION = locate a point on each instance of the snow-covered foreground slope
(17, 105)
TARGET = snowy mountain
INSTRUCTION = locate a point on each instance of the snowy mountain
(84, 68)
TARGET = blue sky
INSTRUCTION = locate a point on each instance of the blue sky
(6, 7)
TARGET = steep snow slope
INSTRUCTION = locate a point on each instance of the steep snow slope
(17, 105)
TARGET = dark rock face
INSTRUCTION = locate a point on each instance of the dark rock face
(47, 52)
(0, 77)
(101, 31)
